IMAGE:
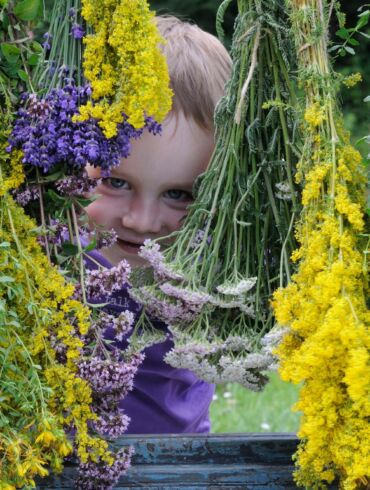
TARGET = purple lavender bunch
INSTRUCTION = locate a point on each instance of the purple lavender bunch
(101, 476)
(46, 133)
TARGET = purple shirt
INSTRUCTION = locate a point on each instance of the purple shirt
(164, 399)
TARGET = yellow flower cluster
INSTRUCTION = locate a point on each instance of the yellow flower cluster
(327, 347)
(327, 344)
(314, 115)
(352, 80)
(40, 397)
(123, 63)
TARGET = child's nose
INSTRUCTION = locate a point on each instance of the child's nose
(142, 217)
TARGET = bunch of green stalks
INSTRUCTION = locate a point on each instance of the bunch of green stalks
(213, 283)
(64, 59)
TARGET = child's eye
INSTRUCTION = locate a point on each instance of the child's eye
(116, 183)
(178, 195)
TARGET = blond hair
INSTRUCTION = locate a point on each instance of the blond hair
(199, 66)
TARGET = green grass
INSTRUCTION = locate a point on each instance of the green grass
(236, 409)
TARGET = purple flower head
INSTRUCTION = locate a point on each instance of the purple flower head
(31, 193)
(112, 424)
(77, 31)
(102, 283)
(72, 12)
(121, 324)
(108, 378)
(56, 234)
(150, 251)
(101, 476)
(77, 185)
(106, 238)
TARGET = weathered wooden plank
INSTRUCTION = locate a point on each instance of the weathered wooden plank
(215, 448)
(201, 462)
(193, 476)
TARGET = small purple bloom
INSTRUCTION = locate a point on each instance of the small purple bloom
(47, 43)
(77, 31)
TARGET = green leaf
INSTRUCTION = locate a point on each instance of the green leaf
(55, 197)
(342, 33)
(27, 9)
(90, 246)
(10, 52)
(84, 201)
(3, 3)
(4, 244)
(364, 34)
(33, 59)
(363, 20)
(335, 47)
(69, 248)
(37, 48)
(5, 279)
(23, 75)
(4, 19)
(349, 50)
(353, 42)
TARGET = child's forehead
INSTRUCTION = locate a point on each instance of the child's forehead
(176, 156)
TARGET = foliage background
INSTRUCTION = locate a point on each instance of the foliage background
(203, 13)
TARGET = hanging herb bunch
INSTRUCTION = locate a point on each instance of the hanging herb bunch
(323, 311)
(57, 341)
(212, 285)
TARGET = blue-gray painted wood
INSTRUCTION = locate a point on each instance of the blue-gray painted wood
(201, 462)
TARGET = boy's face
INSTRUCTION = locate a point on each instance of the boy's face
(148, 194)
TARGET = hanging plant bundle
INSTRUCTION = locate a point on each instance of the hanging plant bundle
(51, 333)
(213, 283)
(323, 310)
(41, 338)
(127, 72)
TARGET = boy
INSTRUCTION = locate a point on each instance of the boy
(147, 196)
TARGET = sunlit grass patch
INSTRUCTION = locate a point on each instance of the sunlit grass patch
(236, 409)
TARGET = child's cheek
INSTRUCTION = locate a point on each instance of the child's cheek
(97, 212)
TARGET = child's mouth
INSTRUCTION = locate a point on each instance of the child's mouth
(129, 247)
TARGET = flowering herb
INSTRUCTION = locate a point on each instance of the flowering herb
(51, 332)
(127, 77)
(326, 345)
(213, 284)
(42, 398)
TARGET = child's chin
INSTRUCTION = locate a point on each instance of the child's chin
(116, 253)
